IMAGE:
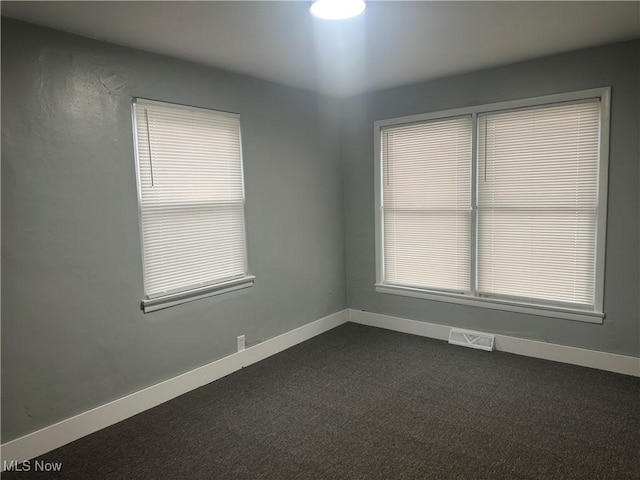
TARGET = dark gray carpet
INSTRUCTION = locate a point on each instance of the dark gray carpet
(364, 403)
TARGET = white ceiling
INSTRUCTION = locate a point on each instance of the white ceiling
(393, 43)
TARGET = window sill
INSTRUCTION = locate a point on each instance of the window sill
(166, 301)
(517, 307)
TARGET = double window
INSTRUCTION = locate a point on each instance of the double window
(191, 196)
(502, 205)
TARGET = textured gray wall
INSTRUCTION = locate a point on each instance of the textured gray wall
(73, 336)
(72, 333)
(614, 65)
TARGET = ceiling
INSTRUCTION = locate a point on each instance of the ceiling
(392, 43)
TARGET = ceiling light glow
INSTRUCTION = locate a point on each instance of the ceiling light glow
(337, 9)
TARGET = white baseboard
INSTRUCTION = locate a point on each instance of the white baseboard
(66, 431)
(531, 348)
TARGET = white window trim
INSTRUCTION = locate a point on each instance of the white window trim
(152, 304)
(533, 308)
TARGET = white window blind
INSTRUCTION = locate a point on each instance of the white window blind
(192, 198)
(426, 204)
(538, 202)
(501, 206)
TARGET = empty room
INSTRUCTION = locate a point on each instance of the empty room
(333, 239)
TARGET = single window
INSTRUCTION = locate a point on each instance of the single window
(427, 204)
(538, 203)
(190, 183)
(500, 205)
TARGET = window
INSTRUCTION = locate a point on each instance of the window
(502, 206)
(427, 204)
(191, 196)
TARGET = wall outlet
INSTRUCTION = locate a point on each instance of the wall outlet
(241, 343)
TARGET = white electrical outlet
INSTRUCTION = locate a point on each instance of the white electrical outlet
(241, 344)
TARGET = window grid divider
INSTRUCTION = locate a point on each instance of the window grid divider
(473, 281)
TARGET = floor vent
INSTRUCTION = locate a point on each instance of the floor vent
(467, 338)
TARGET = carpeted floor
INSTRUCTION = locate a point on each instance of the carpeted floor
(364, 403)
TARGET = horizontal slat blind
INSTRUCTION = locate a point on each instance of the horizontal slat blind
(192, 202)
(426, 201)
(538, 202)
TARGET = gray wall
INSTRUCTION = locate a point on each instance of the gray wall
(614, 65)
(73, 335)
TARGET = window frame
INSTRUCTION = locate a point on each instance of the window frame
(151, 303)
(519, 306)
